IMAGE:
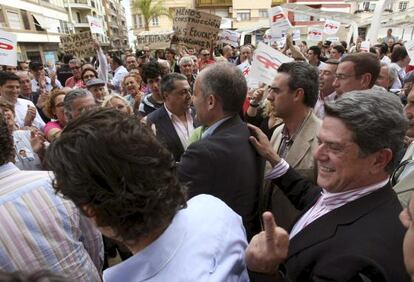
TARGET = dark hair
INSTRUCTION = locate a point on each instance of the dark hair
(399, 53)
(133, 188)
(89, 69)
(67, 58)
(305, 76)
(383, 48)
(339, 48)
(305, 43)
(170, 50)
(117, 60)
(6, 142)
(364, 63)
(375, 118)
(5, 76)
(151, 70)
(344, 44)
(316, 50)
(168, 81)
(332, 62)
(226, 82)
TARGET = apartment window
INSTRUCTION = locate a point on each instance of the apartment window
(25, 18)
(14, 20)
(93, 4)
(155, 21)
(263, 13)
(243, 16)
(64, 26)
(402, 6)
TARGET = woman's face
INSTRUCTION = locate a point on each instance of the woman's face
(9, 116)
(131, 86)
(88, 75)
(118, 104)
(58, 110)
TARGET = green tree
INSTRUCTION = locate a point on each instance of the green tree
(150, 9)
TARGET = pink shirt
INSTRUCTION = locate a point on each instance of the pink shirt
(50, 125)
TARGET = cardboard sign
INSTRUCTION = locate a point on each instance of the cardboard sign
(279, 23)
(78, 44)
(95, 25)
(195, 29)
(154, 40)
(266, 61)
(8, 51)
(331, 27)
(365, 45)
(314, 34)
(229, 37)
(410, 49)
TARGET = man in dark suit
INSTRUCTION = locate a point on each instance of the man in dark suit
(349, 228)
(174, 120)
(223, 163)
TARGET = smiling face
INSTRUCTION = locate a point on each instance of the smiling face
(340, 164)
(10, 91)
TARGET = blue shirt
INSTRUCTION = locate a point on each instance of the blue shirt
(205, 242)
(213, 127)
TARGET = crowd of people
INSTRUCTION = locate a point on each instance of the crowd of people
(167, 161)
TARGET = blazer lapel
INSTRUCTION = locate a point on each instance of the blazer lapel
(325, 227)
(168, 128)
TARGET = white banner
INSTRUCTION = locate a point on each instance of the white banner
(266, 61)
(279, 23)
(296, 35)
(95, 25)
(331, 27)
(365, 45)
(229, 37)
(410, 49)
(8, 45)
(333, 39)
(314, 34)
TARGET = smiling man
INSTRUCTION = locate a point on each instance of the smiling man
(349, 228)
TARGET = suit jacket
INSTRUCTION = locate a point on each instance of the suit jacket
(405, 186)
(165, 131)
(361, 238)
(226, 166)
(300, 157)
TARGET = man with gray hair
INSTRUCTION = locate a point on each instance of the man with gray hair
(386, 76)
(349, 228)
(187, 68)
(77, 101)
(75, 66)
(223, 163)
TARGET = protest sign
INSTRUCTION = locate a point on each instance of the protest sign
(8, 45)
(314, 34)
(279, 23)
(195, 29)
(331, 27)
(333, 39)
(296, 35)
(365, 45)
(78, 44)
(410, 49)
(95, 25)
(266, 61)
(154, 40)
(229, 37)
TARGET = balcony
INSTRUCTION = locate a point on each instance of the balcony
(81, 24)
(213, 3)
(78, 4)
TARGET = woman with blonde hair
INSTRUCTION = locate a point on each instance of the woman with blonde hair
(117, 102)
(53, 109)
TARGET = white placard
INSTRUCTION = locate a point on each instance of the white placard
(365, 45)
(266, 61)
(410, 49)
(96, 25)
(8, 45)
(331, 27)
(333, 39)
(296, 35)
(279, 23)
(315, 34)
(229, 37)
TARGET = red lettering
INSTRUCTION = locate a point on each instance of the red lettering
(5, 46)
(267, 63)
(277, 17)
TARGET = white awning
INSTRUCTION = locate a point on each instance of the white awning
(42, 20)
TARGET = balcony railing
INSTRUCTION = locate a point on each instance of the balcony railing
(214, 3)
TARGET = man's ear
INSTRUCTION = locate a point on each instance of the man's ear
(366, 80)
(212, 102)
(299, 95)
(88, 211)
(381, 159)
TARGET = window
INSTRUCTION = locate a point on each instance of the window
(402, 6)
(155, 21)
(243, 16)
(365, 6)
(302, 18)
(14, 20)
(64, 26)
(263, 13)
(138, 21)
(93, 4)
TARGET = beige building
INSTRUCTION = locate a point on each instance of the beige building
(115, 22)
(38, 25)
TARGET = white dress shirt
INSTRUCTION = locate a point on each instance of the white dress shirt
(184, 130)
(20, 109)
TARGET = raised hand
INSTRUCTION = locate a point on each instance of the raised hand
(30, 116)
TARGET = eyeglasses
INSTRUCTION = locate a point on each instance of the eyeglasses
(342, 76)
(75, 68)
(205, 55)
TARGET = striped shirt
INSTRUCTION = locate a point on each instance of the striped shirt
(327, 201)
(41, 230)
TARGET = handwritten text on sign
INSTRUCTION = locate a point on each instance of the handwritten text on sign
(78, 44)
(154, 40)
(194, 28)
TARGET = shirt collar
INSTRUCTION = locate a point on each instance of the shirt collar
(151, 260)
(170, 114)
(213, 127)
(8, 169)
